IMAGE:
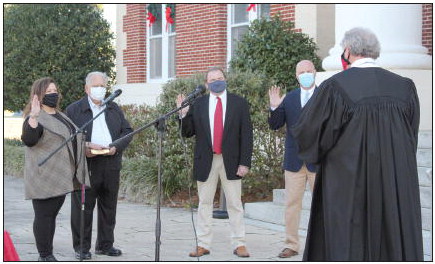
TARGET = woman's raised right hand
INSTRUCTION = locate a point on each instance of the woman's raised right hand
(35, 108)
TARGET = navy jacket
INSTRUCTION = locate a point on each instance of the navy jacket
(288, 113)
(80, 112)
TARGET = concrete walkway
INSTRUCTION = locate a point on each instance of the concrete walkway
(135, 235)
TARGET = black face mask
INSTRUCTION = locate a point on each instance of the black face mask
(51, 99)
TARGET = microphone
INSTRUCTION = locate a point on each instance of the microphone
(111, 97)
(199, 89)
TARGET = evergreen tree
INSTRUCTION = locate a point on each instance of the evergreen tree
(62, 41)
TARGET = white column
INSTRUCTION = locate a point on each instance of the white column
(397, 26)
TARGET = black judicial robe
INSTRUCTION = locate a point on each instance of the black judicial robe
(361, 128)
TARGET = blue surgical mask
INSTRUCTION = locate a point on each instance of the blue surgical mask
(217, 86)
(306, 79)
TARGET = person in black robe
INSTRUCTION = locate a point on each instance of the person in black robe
(361, 128)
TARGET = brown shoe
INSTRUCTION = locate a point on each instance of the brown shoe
(200, 251)
(241, 252)
(287, 253)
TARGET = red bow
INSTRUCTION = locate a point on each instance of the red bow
(151, 18)
(250, 7)
(169, 19)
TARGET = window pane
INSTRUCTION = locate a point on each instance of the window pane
(236, 34)
(156, 58)
(171, 57)
(264, 10)
(171, 28)
(240, 15)
(156, 28)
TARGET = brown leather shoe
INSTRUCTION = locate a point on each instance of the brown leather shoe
(287, 253)
(241, 252)
(200, 251)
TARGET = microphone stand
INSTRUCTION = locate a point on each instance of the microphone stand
(82, 210)
(160, 124)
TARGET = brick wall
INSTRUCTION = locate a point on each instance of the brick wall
(134, 26)
(201, 40)
(285, 11)
(427, 27)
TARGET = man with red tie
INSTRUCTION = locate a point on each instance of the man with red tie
(223, 149)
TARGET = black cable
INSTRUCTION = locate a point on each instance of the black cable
(186, 159)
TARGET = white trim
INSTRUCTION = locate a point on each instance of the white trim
(165, 50)
(229, 14)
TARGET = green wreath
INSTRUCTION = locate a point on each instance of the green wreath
(154, 9)
(172, 6)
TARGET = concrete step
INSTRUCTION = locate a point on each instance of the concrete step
(279, 197)
(274, 213)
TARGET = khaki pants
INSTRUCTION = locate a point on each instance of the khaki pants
(295, 183)
(233, 192)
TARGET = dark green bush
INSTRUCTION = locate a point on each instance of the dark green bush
(139, 172)
(13, 157)
(273, 47)
(62, 41)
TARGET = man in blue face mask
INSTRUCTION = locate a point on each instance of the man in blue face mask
(286, 109)
(221, 124)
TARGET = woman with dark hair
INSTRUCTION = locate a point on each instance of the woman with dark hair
(44, 129)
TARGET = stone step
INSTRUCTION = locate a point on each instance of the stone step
(425, 139)
(279, 197)
(273, 213)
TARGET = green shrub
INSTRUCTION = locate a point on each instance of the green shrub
(139, 172)
(273, 47)
(138, 179)
(13, 158)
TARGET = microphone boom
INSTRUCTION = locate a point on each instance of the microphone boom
(111, 97)
(199, 89)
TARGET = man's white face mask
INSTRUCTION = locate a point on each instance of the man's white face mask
(98, 93)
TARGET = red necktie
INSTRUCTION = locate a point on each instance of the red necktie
(218, 129)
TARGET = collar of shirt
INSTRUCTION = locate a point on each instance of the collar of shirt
(309, 91)
(94, 107)
(304, 92)
(364, 63)
(223, 97)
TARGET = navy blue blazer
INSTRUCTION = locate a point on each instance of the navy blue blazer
(288, 113)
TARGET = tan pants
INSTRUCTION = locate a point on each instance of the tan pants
(295, 183)
(206, 193)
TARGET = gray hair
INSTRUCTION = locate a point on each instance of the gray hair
(361, 42)
(92, 74)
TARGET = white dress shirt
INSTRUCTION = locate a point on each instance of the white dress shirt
(304, 93)
(100, 131)
(212, 108)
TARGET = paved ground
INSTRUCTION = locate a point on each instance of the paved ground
(135, 234)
